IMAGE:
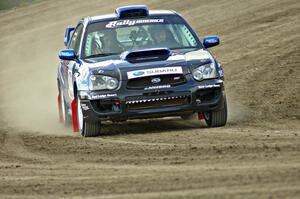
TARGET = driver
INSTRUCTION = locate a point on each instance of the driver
(109, 42)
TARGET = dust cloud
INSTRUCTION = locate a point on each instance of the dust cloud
(28, 79)
(30, 41)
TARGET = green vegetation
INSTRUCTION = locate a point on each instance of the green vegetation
(7, 4)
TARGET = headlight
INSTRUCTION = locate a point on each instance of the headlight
(206, 71)
(100, 82)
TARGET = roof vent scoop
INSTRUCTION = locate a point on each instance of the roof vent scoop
(145, 55)
(132, 11)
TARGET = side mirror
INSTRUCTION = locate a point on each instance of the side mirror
(68, 35)
(211, 41)
(67, 54)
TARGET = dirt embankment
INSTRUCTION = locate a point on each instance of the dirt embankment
(255, 156)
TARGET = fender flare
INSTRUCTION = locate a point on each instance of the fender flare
(74, 109)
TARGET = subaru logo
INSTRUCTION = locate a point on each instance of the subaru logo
(138, 73)
(155, 80)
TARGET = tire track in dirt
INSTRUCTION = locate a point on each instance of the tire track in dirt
(196, 193)
(14, 146)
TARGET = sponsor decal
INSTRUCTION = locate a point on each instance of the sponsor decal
(210, 41)
(66, 53)
(154, 71)
(204, 60)
(209, 86)
(157, 87)
(132, 22)
(155, 80)
(84, 107)
(138, 73)
(103, 96)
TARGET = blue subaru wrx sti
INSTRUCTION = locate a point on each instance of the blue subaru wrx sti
(137, 63)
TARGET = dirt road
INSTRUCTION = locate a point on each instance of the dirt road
(257, 155)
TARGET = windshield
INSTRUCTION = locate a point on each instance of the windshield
(115, 37)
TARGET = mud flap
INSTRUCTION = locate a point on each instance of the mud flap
(60, 116)
(74, 116)
(200, 115)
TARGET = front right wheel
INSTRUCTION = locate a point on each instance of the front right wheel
(86, 128)
(216, 118)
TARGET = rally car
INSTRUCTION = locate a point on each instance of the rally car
(138, 63)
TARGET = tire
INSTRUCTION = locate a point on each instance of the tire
(67, 119)
(216, 118)
(86, 128)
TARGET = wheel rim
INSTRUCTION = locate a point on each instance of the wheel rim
(80, 115)
(62, 105)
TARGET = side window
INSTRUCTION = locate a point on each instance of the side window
(75, 41)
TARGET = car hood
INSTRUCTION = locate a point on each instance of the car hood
(114, 66)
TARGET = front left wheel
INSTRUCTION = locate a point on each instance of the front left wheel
(216, 118)
(86, 128)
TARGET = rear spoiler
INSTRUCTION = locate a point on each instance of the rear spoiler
(152, 54)
(67, 38)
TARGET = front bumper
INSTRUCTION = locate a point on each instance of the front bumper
(208, 95)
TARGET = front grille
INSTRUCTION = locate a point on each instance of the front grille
(143, 82)
(158, 102)
(106, 106)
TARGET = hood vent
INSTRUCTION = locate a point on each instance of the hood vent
(153, 54)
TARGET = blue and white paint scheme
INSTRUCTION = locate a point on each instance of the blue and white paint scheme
(143, 79)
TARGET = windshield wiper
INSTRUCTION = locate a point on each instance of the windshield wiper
(100, 55)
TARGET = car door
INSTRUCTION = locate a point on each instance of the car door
(70, 66)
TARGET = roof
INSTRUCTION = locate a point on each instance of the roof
(114, 16)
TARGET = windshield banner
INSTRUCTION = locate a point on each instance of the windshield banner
(113, 24)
